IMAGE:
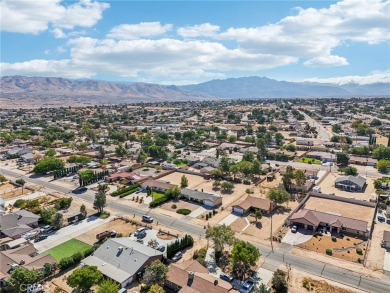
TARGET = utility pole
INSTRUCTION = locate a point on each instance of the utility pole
(272, 247)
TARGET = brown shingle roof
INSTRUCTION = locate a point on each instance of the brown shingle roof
(158, 184)
(202, 281)
(255, 202)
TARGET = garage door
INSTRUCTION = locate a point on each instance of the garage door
(208, 203)
(238, 210)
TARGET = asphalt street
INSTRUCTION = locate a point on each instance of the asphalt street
(272, 258)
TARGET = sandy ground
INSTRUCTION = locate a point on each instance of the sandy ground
(118, 225)
(345, 209)
(376, 254)
(180, 204)
(336, 262)
(321, 243)
(321, 285)
(175, 178)
(327, 187)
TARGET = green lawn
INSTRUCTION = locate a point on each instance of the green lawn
(157, 195)
(67, 249)
(309, 160)
(181, 164)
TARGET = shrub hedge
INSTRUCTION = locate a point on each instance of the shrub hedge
(183, 211)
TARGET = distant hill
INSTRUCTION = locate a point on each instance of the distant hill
(262, 87)
(48, 88)
(53, 91)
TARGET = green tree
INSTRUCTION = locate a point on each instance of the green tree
(375, 122)
(342, 159)
(256, 167)
(279, 139)
(243, 256)
(300, 178)
(221, 235)
(377, 184)
(121, 151)
(382, 165)
(262, 149)
(263, 289)
(50, 153)
(142, 156)
(287, 177)
(47, 269)
(2, 178)
(84, 278)
(216, 184)
(48, 164)
(349, 171)
(336, 128)
(279, 282)
(225, 164)
(381, 152)
(248, 156)
(232, 138)
(21, 182)
(57, 220)
(20, 277)
(227, 186)
(155, 273)
(87, 175)
(108, 286)
(100, 202)
(184, 181)
(258, 215)
(173, 192)
(156, 289)
(83, 210)
(47, 215)
(278, 195)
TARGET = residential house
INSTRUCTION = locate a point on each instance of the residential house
(311, 219)
(362, 161)
(25, 256)
(156, 185)
(121, 259)
(304, 141)
(386, 239)
(350, 183)
(17, 152)
(190, 276)
(211, 162)
(322, 156)
(16, 224)
(208, 199)
(304, 188)
(251, 203)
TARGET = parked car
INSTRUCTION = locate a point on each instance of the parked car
(46, 229)
(294, 229)
(140, 241)
(161, 248)
(247, 287)
(178, 255)
(388, 220)
(140, 230)
(80, 190)
(381, 218)
(147, 218)
(40, 238)
(226, 277)
(141, 235)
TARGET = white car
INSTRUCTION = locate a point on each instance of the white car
(294, 229)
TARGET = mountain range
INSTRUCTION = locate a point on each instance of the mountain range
(21, 89)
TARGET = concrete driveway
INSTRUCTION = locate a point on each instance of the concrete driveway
(228, 220)
(386, 263)
(152, 235)
(197, 212)
(299, 237)
(70, 232)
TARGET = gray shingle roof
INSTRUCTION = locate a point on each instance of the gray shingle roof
(199, 194)
(358, 180)
(117, 264)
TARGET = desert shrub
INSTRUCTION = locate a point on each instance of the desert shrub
(306, 284)
(207, 217)
(334, 239)
(329, 251)
(173, 206)
(359, 251)
(183, 211)
(20, 203)
(359, 260)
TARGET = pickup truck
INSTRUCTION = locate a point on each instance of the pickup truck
(105, 234)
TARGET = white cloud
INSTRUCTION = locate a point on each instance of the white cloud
(41, 67)
(374, 77)
(314, 33)
(61, 49)
(326, 61)
(26, 16)
(136, 31)
(46, 52)
(202, 30)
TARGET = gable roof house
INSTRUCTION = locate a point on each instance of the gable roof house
(190, 276)
(156, 185)
(311, 219)
(14, 225)
(120, 259)
(351, 183)
(265, 205)
(206, 198)
(26, 256)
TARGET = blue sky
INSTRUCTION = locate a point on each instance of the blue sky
(183, 42)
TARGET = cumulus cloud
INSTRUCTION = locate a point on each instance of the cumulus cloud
(26, 16)
(374, 77)
(136, 31)
(326, 61)
(314, 33)
(202, 30)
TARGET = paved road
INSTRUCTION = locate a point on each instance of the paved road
(323, 133)
(272, 259)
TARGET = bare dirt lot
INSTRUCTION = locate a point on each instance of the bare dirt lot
(318, 285)
(8, 191)
(321, 243)
(376, 254)
(175, 178)
(327, 187)
(118, 225)
(180, 204)
(343, 208)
